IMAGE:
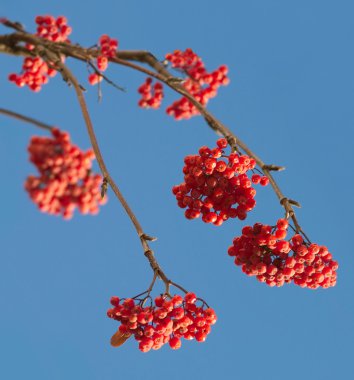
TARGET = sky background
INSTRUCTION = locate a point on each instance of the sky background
(290, 99)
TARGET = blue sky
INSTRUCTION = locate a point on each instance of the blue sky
(290, 98)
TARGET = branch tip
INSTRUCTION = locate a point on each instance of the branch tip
(294, 203)
(148, 237)
(104, 187)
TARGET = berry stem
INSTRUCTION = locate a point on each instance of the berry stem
(178, 286)
(148, 291)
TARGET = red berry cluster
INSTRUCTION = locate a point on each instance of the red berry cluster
(53, 29)
(65, 180)
(262, 251)
(215, 182)
(151, 96)
(200, 83)
(168, 320)
(108, 49)
(35, 71)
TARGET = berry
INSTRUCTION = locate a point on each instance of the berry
(175, 343)
(94, 78)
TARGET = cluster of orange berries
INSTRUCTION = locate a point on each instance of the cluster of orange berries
(167, 321)
(53, 29)
(262, 251)
(108, 48)
(151, 95)
(214, 183)
(65, 180)
(35, 71)
(200, 83)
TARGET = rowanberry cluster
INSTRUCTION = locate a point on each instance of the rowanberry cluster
(151, 96)
(214, 183)
(108, 48)
(169, 320)
(35, 71)
(65, 181)
(262, 251)
(200, 83)
(53, 29)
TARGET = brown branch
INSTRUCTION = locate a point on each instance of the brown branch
(144, 238)
(26, 119)
(11, 44)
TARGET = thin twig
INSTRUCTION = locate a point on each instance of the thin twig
(109, 81)
(178, 286)
(67, 74)
(26, 119)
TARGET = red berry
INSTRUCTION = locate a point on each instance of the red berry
(94, 78)
(264, 181)
(175, 343)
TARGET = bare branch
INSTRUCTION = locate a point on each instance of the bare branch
(12, 44)
(26, 119)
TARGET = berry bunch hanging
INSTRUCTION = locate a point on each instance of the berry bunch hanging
(216, 186)
(108, 49)
(169, 320)
(262, 251)
(200, 83)
(53, 29)
(35, 71)
(65, 181)
(151, 95)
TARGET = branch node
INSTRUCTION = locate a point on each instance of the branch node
(147, 237)
(294, 203)
(104, 187)
(149, 254)
(283, 200)
(274, 168)
(289, 212)
(173, 80)
(232, 141)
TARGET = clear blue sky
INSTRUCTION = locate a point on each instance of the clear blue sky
(290, 98)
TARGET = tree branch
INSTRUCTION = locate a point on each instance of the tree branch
(12, 44)
(26, 119)
(144, 238)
